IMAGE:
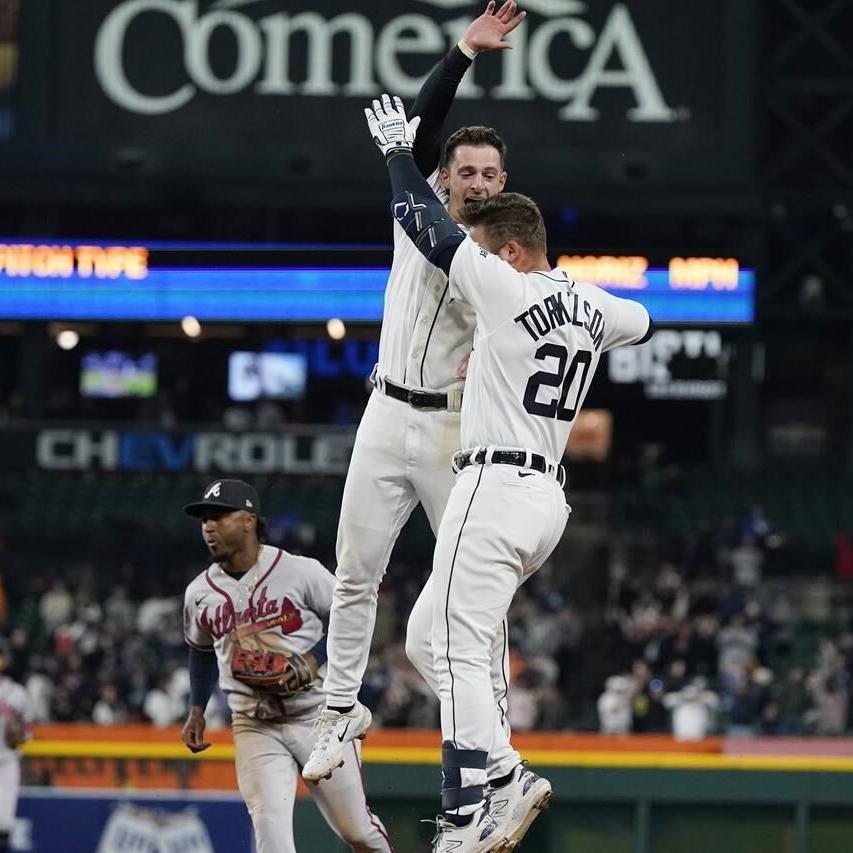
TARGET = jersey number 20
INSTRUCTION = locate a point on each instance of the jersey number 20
(562, 379)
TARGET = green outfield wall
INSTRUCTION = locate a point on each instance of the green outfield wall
(632, 810)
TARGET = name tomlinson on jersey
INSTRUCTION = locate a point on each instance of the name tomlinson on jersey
(552, 312)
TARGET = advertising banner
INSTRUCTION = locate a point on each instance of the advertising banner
(305, 451)
(598, 93)
(62, 821)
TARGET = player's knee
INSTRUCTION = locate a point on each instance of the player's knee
(358, 576)
(351, 590)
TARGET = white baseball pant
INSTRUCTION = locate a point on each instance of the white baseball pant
(269, 758)
(10, 781)
(498, 529)
(402, 456)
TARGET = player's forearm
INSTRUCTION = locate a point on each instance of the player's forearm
(319, 653)
(433, 104)
(203, 674)
(421, 215)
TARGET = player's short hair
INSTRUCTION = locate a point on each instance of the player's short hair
(510, 216)
(474, 135)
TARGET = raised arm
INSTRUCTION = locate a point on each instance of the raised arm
(439, 89)
(414, 205)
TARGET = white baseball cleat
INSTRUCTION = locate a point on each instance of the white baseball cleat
(334, 731)
(481, 835)
(517, 804)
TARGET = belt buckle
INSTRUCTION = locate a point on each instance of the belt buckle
(410, 397)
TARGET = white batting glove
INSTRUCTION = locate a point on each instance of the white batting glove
(390, 128)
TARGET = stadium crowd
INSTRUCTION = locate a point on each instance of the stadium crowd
(699, 645)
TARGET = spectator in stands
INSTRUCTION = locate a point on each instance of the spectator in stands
(791, 697)
(614, 705)
(649, 714)
(522, 708)
(737, 643)
(829, 687)
(56, 606)
(159, 706)
(747, 560)
(119, 610)
(744, 705)
(108, 710)
(693, 709)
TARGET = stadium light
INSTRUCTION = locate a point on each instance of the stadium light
(191, 327)
(67, 339)
(336, 328)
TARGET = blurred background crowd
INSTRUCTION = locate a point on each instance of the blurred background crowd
(696, 641)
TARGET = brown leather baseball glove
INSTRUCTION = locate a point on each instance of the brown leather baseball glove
(284, 673)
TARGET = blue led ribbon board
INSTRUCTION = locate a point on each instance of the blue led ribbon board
(131, 284)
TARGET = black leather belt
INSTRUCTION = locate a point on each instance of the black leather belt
(417, 399)
(508, 457)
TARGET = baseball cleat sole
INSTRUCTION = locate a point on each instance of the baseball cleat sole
(327, 776)
(517, 835)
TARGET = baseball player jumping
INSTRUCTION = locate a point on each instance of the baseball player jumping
(410, 430)
(256, 617)
(13, 714)
(538, 342)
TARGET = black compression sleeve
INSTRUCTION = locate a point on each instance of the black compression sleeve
(319, 651)
(203, 671)
(432, 105)
(421, 215)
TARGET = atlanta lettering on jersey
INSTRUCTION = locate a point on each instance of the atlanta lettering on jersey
(266, 611)
(551, 313)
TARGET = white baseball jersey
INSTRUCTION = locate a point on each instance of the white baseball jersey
(539, 339)
(13, 700)
(424, 336)
(292, 594)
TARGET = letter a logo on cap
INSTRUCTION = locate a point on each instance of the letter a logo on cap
(213, 491)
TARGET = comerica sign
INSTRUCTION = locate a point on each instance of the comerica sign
(346, 53)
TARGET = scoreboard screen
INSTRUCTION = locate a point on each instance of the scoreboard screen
(59, 280)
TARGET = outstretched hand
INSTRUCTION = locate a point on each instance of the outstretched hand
(489, 30)
(390, 128)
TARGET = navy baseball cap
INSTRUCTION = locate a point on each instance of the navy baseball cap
(226, 494)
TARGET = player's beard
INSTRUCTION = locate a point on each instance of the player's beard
(469, 206)
(219, 552)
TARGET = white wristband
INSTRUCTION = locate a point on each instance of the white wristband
(466, 48)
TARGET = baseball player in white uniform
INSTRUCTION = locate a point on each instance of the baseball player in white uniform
(410, 430)
(13, 716)
(538, 342)
(256, 618)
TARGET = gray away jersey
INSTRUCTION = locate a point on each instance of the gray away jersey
(538, 342)
(424, 336)
(293, 593)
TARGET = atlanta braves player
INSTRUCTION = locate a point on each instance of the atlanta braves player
(410, 427)
(258, 612)
(538, 342)
(13, 714)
